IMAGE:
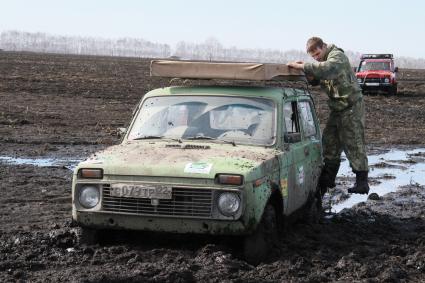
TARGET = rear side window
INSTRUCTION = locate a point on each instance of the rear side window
(307, 119)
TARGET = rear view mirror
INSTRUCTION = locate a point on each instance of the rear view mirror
(121, 132)
(292, 137)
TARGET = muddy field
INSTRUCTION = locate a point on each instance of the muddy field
(69, 106)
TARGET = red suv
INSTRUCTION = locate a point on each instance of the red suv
(377, 73)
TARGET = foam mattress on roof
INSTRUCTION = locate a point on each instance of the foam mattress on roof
(223, 70)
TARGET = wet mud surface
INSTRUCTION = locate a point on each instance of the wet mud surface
(66, 107)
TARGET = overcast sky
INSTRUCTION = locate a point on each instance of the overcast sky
(374, 26)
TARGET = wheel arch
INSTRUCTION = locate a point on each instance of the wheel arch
(276, 198)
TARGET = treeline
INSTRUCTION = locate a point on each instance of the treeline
(211, 49)
(42, 42)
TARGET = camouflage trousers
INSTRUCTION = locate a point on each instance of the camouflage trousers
(344, 131)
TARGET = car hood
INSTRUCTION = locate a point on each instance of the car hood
(194, 160)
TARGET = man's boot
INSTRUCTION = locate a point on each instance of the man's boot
(361, 186)
(328, 175)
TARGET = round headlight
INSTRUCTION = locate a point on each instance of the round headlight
(387, 80)
(228, 203)
(89, 196)
(359, 80)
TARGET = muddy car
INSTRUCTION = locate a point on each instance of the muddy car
(219, 160)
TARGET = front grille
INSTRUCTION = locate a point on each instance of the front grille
(372, 80)
(187, 202)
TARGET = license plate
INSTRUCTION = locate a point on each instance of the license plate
(372, 84)
(140, 191)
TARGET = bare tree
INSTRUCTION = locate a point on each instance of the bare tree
(41, 42)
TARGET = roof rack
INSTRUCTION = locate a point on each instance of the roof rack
(377, 56)
(242, 83)
(225, 71)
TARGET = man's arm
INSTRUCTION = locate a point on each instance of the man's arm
(297, 65)
(324, 70)
(300, 66)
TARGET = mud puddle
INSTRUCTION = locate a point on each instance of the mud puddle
(41, 162)
(388, 172)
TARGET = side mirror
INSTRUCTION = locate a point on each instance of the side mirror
(292, 137)
(354, 69)
(121, 132)
(396, 69)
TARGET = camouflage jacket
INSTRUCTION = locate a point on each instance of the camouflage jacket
(337, 78)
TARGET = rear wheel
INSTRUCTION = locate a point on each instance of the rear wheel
(260, 244)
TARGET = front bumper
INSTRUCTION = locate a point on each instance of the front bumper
(377, 87)
(190, 210)
(120, 221)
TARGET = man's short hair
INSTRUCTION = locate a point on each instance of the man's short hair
(314, 43)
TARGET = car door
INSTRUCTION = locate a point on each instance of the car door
(312, 145)
(293, 172)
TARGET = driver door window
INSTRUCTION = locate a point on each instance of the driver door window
(292, 131)
(307, 119)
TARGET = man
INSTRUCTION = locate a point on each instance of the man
(344, 129)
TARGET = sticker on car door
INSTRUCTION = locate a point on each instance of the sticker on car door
(301, 175)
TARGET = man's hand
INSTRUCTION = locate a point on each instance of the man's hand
(310, 77)
(296, 65)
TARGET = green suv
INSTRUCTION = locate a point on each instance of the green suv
(220, 160)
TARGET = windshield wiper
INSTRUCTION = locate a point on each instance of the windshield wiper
(148, 137)
(229, 142)
(200, 137)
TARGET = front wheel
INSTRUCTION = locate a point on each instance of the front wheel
(314, 209)
(393, 90)
(261, 243)
(89, 236)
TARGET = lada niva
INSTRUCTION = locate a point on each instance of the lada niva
(220, 160)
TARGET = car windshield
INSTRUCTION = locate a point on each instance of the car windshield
(373, 66)
(239, 120)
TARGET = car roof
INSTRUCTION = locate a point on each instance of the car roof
(274, 93)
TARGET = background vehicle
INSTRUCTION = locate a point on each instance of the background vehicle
(377, 73)
(220, 160)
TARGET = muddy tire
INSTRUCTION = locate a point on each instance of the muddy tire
(393, 90)
(89, 236)
(259, 245)
(314, 210)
